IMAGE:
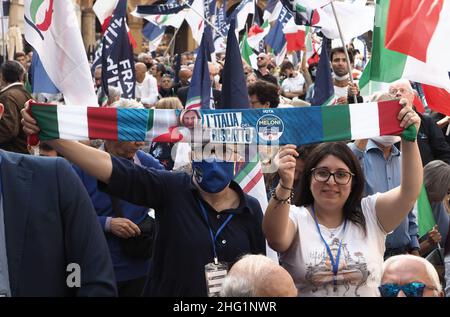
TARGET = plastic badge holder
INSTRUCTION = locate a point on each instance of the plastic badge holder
(215, 275)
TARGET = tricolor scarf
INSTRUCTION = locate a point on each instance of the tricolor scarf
(245, 126)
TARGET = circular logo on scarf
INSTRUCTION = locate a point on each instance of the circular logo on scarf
(270, 127)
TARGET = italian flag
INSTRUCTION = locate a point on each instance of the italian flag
(251, 180)
(247, 53)
(360, 121)
(425, 218)
(295, 36)
(257, 33)
(410, 40)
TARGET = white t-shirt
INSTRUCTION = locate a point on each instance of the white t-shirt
(147, 91)
(361, 259)
(293, 84)
(340, 91)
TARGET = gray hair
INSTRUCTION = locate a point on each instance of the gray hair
(436, 178)
(381, 96)
(404, 82)
(127, 104)
(113, 93)
(245, 276)
(141, 57)
(431, 271)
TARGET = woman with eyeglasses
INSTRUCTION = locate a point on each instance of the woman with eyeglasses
(333, 244)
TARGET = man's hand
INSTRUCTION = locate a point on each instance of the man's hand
(124, 228)
(353, 89)
(407, 115)
(443, 122)
(434, 235)
(29, 124)
(415, 252)
(342, 100)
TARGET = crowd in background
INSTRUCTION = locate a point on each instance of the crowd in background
(337, 211)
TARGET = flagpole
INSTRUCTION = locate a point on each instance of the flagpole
(350, 70)
(3, 38)
(171, 41)
(203, 18)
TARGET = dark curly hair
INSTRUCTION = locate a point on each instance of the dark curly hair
(352, 207)
(265, 92)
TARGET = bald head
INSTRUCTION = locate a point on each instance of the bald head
(185, 74)
(258, 276)
(404, 269)
(141, 70)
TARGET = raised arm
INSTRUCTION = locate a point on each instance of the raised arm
(94, 162)
(277, 227)
(393, 206)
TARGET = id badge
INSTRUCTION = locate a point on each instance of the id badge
(215, 274)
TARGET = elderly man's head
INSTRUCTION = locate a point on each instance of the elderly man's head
(98, 76)
(258, 276)
(141, 70)
(402, 89)
(409, 275)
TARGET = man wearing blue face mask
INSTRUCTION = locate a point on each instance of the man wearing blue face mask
(201, 219)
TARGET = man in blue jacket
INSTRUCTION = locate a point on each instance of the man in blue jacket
(119, 218)
(50, 241)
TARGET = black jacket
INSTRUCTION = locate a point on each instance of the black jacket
(183, 92)
(431, 141)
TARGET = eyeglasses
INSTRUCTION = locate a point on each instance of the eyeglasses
(323, 175)
(394, 91)
(258, 58)
(413, 289)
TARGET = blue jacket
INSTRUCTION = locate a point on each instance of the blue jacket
(126, 268)
(49, 223)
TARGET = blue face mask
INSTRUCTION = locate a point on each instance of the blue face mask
(213, 176)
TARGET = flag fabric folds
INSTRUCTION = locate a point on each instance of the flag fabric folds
(52, 29)
(425, 218)
(104, 9)
(154, 34)
(117, 55)
(248, 54)
(438, 99)
(40, 82)
(200, 93)
(235, 96)
(427, 24)
(256, 34)
(234, 85)
(241, 13)
(171, 7)
(323, 87)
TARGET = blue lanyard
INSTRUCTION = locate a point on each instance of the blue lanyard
(334, 262)
(214, 236)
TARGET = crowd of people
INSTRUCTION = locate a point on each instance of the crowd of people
(148, 219)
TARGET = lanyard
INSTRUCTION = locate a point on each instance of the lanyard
(334, 262)
(214, 236)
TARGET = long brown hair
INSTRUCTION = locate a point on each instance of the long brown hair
(352, 207)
